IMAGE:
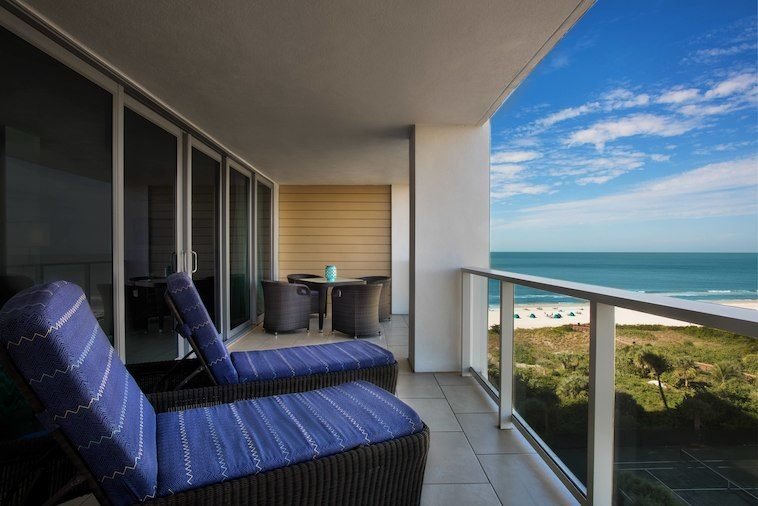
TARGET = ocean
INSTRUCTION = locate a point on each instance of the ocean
(694, 276)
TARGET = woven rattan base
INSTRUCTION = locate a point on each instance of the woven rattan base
(389, 473)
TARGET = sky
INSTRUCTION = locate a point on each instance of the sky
(637, 132)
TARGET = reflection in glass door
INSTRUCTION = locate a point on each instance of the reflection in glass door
(264, 240)
(206, 173)
(239, 248)
(150, 238)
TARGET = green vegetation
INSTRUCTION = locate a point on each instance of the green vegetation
(675, 386)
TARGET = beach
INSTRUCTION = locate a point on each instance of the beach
(544, 315)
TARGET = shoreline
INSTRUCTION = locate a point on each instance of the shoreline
(544, 315)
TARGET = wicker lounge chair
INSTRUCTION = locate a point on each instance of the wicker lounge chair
(348, 444)
(276, 371)
(293, 278)
(385, 300)
(355, 310)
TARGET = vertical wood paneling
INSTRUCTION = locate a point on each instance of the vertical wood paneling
(348, 226)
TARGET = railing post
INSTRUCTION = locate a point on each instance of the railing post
(507, 329)
(467, 297)
(601, 404)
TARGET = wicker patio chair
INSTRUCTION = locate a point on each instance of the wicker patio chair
(348, 444)
(293, 278)
(385, 300)
(288, 306)
(355, 310)
(272, 371)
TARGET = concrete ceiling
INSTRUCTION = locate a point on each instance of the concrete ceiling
(321, 92)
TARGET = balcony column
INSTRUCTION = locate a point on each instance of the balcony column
(449, 228)
(601, 404)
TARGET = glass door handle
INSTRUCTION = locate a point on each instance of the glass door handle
(194, 262)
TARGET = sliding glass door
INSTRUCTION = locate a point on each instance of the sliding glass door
(240, 272)
(151, 173)
(264, 229)
(205, 220)
(56, 177)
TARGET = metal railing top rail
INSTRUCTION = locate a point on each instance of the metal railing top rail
(732, 319)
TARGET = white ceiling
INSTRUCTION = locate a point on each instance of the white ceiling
(321, 92)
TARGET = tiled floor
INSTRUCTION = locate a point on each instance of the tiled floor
(471, 461)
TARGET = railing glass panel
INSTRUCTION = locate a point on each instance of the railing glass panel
(686, 421)
(551, 373)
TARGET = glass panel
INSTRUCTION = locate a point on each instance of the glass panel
(686, 413)
(239, 248)
(150, 161)
(493, 333)
(205, 238)
(551, 369)
(263, 226)
(55, 177)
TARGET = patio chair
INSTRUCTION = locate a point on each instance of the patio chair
(288, 306)
(293, 278)
(355, 310)
(385, 300)
(353, 443)
(274, 371)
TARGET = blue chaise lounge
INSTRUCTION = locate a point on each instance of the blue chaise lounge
(353, 443)
(272, 371)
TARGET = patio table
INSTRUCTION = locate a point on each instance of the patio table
(323, 285)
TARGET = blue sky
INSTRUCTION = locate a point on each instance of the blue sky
(638, 132)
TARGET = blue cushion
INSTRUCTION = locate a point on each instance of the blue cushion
(56, 344)
(304, 360)
(187, 300)
(198, 447)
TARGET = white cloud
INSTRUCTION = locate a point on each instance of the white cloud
(506, 170)
(621, 98)
(735, 84)
(719, 189)
(679, 96)
(638, 124)
(718, 52)
(706, 110)
(513, 156)
(512, 189)
(566, 114)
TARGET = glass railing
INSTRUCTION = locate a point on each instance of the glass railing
(622, 412)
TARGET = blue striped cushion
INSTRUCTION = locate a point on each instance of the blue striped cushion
(304, 360)
(187, 300)
(57, 346)
(202, 446)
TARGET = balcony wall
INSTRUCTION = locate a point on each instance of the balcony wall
(347, 226)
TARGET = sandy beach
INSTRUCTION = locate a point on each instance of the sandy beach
(544, 315)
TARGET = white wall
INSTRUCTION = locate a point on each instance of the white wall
(450, 180)
(401, 235)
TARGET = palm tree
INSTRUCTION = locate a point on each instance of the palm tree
(724, 371)
(686, 370)
(658, 365)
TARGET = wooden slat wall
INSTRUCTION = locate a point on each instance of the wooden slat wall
(348, 226)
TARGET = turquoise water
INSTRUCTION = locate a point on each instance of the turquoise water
(694, 276)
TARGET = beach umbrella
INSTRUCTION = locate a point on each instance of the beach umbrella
(516, 316)
(572, 313)
(532, 315)
(557, 315)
